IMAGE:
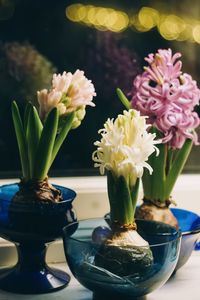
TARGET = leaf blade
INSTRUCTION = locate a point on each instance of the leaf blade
(62, 135)
(45, 147)
(123, 99)
(177, 166)
(34, 130)
(21, 140)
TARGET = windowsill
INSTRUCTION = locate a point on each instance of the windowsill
(92, 201)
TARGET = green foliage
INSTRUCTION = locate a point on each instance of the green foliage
(38, 144)
(21, 140)
(123, 99)
(167, 166)
(122, 198)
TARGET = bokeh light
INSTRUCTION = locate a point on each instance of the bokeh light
(170, 26)
(148, 18)
(196, 33)
(99, 17)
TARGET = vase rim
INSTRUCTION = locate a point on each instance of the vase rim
(70, 197)
(176, 234)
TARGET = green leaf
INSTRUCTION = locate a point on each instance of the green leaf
(111, 188)
(21, 140)
(120, 199)
(34, 130)
(62, 135)
(154, 184)
(46, 144)
(159, 177)
(177, 166)
(123, 99)
(134, 194)
(26, 115)
(125, 207)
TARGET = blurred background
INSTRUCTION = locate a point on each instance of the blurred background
(108, 40)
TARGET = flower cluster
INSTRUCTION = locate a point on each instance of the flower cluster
(125, 146)
(168, 97)
(69, 93)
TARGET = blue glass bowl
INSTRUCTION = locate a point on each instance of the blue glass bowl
(189, 224)
(82, 247)
(32, 228)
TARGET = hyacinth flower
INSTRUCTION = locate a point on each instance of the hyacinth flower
(41, 134)
(168, 97)
(123, 152)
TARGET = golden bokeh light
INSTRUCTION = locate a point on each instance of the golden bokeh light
(148, 18)
(100, 17)
(90, 17)
(72, 12)
(170, 26)
(186, 34)
(196, 33)
(121, 22)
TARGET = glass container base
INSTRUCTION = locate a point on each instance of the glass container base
(31, 274)
(31, 227)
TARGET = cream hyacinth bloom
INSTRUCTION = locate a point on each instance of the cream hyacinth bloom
(125, 146)
(69, 93)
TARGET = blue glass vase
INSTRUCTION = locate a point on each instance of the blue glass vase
(82, 248)
(189, 224)
(31, 228)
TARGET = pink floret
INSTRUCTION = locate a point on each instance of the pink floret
(168, 97)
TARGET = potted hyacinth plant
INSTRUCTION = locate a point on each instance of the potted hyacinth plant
(40, 136)
(167, 96)
(34, 212)
(123, 152)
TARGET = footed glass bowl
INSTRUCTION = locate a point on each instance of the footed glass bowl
(189, 224)
(82, 248)
(32, 227)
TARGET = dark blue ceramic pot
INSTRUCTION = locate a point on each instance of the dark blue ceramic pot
(32, 228)
(189, 224)
(82, 248)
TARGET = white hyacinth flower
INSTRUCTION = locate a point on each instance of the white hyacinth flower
(125, 146)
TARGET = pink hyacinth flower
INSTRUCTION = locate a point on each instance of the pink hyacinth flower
(69, 93)
(168, 97)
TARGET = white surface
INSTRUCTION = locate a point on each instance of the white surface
(185, 285)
